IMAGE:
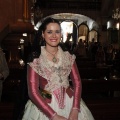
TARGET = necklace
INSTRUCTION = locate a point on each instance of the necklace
(54, 59)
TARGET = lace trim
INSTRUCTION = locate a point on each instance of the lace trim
(54, 72)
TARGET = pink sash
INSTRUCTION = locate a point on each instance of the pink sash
(60, 96)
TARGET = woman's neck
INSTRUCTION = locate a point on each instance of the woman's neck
(52, 50)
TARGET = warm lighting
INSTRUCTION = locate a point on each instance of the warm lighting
(67, 29)
(118, 26)
(21, 41)
(25, 34)
(22, 63)
(65, 16)
(36, 27)
(108, 24)
(19, 47)
(32, 18)
(116, 14)
(113, 24)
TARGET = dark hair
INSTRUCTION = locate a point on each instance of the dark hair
(47, 21)
(38, 40)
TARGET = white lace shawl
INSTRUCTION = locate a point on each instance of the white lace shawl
(53, 72)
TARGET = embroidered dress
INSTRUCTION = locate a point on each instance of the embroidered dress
(55, 77)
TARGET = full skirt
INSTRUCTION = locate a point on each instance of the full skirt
(31, 112)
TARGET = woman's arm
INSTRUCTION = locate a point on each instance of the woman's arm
(76, 80)
(75, 77)
(34, 94)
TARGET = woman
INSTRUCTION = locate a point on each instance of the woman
(51, 97)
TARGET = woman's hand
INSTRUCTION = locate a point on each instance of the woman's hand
(73, 115)
(58, 117)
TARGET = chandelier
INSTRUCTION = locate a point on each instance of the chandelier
(116, 14)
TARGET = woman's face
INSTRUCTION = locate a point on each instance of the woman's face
(52, 34)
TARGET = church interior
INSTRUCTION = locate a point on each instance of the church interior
(91, 30)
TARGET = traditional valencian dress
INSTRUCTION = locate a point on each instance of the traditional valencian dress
(49, 89)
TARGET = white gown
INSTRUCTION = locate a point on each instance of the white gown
(31, 111)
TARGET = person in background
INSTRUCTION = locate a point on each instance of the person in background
(51, 97)
(109, 54)
(100, 56)
(4, 71)
(81, 49)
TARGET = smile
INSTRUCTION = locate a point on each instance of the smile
(53, 40)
